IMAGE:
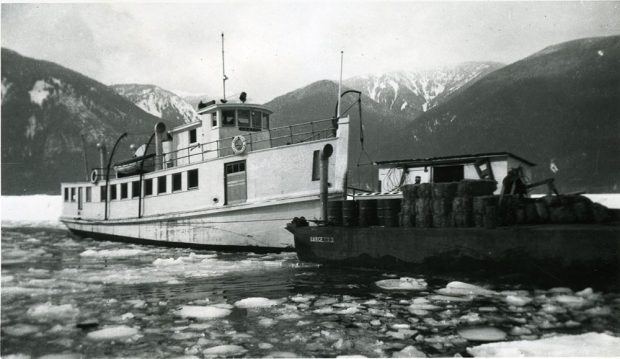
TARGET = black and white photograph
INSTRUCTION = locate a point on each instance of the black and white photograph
(310, 179)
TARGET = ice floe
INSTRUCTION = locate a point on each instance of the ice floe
(49, 311)
(227, 350)
(482, 334)
(113, 253)
(113, 333)
(202, 312)
(403, 283)
(518, 301)
(461, 288)
(583, 345)
(255, 302)
(19, 330)
(409, 352)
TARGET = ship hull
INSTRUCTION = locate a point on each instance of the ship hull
(559, 253)
(259, 228)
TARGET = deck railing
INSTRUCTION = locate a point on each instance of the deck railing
(276, 137)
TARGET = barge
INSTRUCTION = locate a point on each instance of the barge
(467, 226)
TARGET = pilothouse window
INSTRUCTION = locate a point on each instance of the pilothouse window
(243, 118)
(266, 120)
(228, 118)
(256, 120)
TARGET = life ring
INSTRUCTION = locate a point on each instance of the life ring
(238, 144)
(94, 176)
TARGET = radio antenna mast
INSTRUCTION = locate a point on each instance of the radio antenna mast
(340, 83)
(224, 77)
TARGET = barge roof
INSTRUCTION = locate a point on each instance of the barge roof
(444, 160)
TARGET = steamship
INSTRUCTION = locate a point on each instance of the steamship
(227, 181)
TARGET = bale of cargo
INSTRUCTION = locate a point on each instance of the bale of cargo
(562, 214)
(423, 213)
(445, 190)
(367, 213)
(462, 211)
(542, 211)
(601, 214)
(349, 213)
(531, 214)
(474, 188)
(551, 201)
(479, 207)
(334, 213)
(410, 192)
(425, 190)
(388, 212)
(441, 212)
(407, 215)
(507, 211)
(490, 216)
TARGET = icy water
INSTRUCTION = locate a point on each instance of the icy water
(83, 298)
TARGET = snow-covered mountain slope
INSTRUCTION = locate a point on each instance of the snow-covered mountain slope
(415, 92)
(158, 102)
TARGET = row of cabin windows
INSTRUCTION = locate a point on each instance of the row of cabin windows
(70, 194)
(249, 120)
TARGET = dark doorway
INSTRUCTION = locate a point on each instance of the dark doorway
(448, 173)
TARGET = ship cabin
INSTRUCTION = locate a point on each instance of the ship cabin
(225, 156)
(495, 166)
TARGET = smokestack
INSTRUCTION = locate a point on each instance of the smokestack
(326, 152)
(160, 136)
(102, 156)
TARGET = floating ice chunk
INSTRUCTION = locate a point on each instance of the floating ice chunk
(6, 278)
(460, 288)
(551, 308)
(371, 302)
(136, 303)
(19, 330)
(228, 350)
(113, 253)
(598, 311)
(282, 355)
(471, 318)
(113, 333)
(127, 316)
(299, 298)
(586, 292)
(50, 311)
(325, 301)
(583, 345)
(265, 346)
(202, 312)
(266, 322)
(255, 302)
(422, 306)
(482, 334)
(448, 298)
(350, 310)
(517, 300)
(404, 283)
(324, 310)
(409, 352)
(571, 301)
(487, 309)
(520, 331)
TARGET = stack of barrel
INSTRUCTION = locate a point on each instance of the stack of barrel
(468, 203)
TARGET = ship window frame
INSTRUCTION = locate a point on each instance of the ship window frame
(103, 193)
(225, 123)
(177, 182)
(162, 185)
(193, 136)
(66, 191)
(249, 118)
(214, 120)
(265, 121)
(113, 192)
(253, 125)
(148, 187)
(72, 194)
(88, 194)
(124, 191)
(135, 189)
(190, 181)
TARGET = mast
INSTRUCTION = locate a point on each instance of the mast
(224, 77)
(340, 83)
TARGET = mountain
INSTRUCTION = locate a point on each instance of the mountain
(558, 108)
(158, 102)
(415, 92)
(52, 116)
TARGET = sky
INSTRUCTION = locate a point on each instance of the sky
(276, 47)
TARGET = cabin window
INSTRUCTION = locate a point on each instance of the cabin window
(124, 192)
(162, 184)
(243, 118)
(148, 187)
(66, 195)
(214, 119)
(265, 120)
(89, 194)
(192, 136)
(112, 192)
(228, 118)
(103, 194)
(192, 179)
(135, 189)
(73, 194)
(176, 182)
(316, 163)
(256, 120)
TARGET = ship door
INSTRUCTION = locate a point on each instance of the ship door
(235, 179)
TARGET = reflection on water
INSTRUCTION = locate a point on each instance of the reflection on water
(64, 295)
